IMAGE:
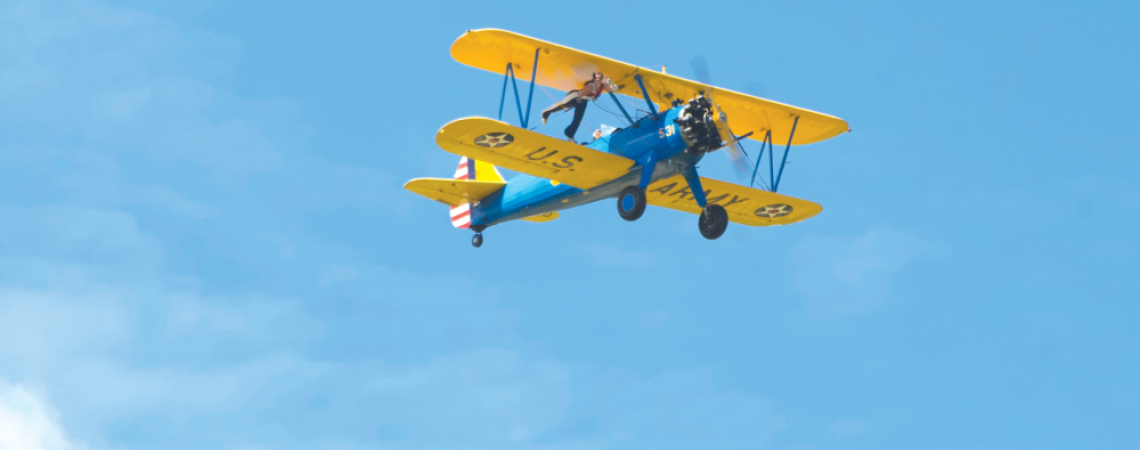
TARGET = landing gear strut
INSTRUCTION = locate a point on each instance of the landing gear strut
(631, 203)
(713, 222)
(477, 240)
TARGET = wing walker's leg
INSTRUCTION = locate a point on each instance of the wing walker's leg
(776, 183)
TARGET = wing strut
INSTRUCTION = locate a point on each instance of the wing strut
(645, 93)
(622, 108)
(695, 188)
(773, 176)
(767, 142)
(776, 183)
(510, 74)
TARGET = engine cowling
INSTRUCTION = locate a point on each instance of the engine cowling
(698, 126)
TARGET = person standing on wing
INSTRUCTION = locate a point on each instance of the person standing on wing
(577, 99)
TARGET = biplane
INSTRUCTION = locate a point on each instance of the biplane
(651, 161)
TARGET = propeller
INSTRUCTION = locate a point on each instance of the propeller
(736, 154)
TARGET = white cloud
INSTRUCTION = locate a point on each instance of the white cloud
(850, 276)
(29, 423)
(96, 179)
(88, 307)
(84, 295)
(85, 236)
(485, 398)
(39, 328)
(103, 77)
(674, 408)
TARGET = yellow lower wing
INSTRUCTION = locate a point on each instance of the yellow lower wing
(745, 205)
(453, 192)
(531, 153)
(543, 217)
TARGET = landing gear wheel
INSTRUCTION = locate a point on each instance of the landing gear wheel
(631, 203)
(477, 240)
(714, 220)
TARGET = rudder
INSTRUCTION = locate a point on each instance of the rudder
(470, 169)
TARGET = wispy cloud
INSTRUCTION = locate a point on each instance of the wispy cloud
(844, 276)
(610, 256)
(124, 341)
(27, 422)
(129, 336)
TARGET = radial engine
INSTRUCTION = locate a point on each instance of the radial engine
(698, 126)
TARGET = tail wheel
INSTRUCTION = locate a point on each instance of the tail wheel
(477, 240)
(631, 203)
(714, 220)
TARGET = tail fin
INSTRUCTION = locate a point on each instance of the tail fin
(470, 169)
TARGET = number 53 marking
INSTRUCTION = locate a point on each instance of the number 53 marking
(667, 131)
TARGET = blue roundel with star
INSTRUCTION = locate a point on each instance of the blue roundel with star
(494, 140)
(774, 211)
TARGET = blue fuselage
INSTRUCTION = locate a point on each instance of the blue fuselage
(526, 195)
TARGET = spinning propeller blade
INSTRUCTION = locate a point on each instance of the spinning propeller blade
(736, 154)
(701, 69)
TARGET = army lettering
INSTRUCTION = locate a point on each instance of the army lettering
(684, 193)
(664, 190)
(735, 200)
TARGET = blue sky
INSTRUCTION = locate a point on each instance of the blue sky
(204, 241)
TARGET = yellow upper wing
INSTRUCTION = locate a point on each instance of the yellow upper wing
(531, 153)
(745, 205)
(453, 192)
(565, 68)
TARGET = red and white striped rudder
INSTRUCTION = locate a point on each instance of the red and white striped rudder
(470, 169)
(461, 215)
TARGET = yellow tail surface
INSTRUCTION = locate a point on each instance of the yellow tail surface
(474, 180)
(454, 192)
(485, 171)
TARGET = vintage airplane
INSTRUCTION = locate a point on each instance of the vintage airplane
(651, 161)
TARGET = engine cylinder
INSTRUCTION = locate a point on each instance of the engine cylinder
(698, 126)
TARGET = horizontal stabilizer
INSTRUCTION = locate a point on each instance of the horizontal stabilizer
(453, 192)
